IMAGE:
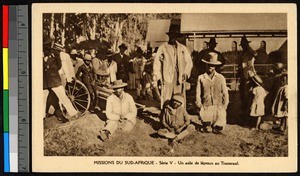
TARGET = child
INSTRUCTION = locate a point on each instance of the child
(257, 108)
(280, 105)
(147, 76)
(138, 66)
(86, 74)
(276, 84)
(131, 75)
(175, 120)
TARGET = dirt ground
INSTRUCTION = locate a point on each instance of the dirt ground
(79, 138)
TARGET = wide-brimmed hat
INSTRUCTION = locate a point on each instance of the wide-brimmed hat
(123, 46)
(103, 74)
(212, 40)
(244, 40)
(278, 66)
(73, 51)
(257, 80)
(174, 28)
(58, 46)
(105, 53)
(118, 84)
(87, 57)
(212, 59)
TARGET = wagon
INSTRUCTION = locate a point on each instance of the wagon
(81, 99)
(79, 96)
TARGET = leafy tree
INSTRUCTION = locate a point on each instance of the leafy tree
(112, 29)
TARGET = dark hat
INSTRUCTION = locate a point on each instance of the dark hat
(118, 84)
(174, 28)
(212, 59)
(139, 50)
(123, 46)
(106, 53)
(244, 40)
(212, 40)
(47, 40)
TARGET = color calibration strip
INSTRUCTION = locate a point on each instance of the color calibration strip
(5, 15)
(22, 65)
(13, 87)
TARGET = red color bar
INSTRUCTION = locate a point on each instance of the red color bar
(5, 25)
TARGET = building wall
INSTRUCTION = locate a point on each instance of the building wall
(224, 44)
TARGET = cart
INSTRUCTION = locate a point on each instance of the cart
(79, 96)
(81, 99)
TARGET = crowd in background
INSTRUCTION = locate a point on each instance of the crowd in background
(161, 74)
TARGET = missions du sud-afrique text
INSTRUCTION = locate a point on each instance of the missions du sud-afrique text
(140, 162)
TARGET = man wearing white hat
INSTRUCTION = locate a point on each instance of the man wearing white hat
(212, 95)
(51, 79)
(120, 111)
(66, 72)
(76, 61)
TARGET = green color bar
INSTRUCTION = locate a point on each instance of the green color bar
(5, 111)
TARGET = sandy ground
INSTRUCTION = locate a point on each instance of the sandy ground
(79, 137)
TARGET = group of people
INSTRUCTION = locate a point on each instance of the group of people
(171, 65)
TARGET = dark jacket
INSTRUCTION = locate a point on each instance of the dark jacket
(130, 67)
(51, 67)
(122, 66)
(199, 65)
(261, 57)
(246, 63)
(86, 75)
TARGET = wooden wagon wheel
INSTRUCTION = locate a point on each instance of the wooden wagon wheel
(79, 96)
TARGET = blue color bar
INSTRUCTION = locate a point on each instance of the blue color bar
(6, 152)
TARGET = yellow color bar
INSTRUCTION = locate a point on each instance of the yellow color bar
(5, 68)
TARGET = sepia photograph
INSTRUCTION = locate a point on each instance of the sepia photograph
(132, 83)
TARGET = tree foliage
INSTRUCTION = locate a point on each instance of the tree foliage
(115, 29)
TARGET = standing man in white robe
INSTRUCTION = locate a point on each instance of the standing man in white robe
(176, 66)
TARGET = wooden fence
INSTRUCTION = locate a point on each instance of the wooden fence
(230, 73)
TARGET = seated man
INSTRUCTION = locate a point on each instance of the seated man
(120, 111)
(175, 119)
